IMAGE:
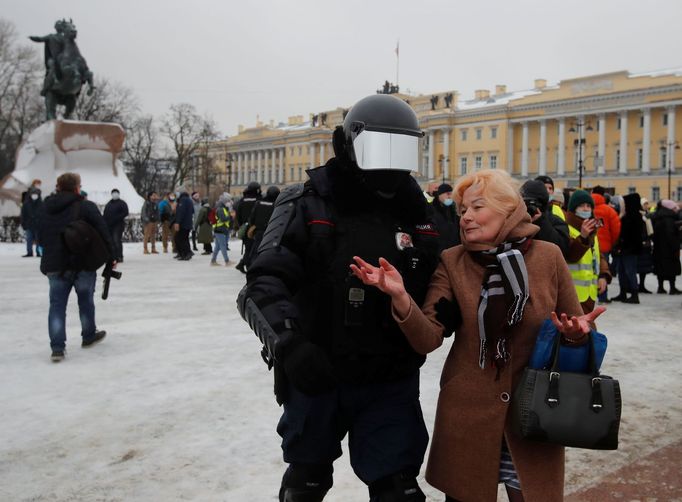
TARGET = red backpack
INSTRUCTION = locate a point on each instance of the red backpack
(211, 217)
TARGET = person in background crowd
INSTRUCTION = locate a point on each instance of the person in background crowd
(167, 213)
(150, 221)
(589, 269)
(499, 276)
(557, 199)
(184, 216)
(629, 247)
(552, 228)
(115, 213)
(608, 231)
(203, 228)
(252, 194)
(549, 184)
(197, 203)
(221, 229)
(258, 221)
(444, 217)
(645, 261)
(666, 253)
(31, 213)
(63, 270)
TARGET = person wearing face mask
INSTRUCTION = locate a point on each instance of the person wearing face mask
(629, 246)
(589, 269)
(167, 212)
(445, 218)
(341, 365)
(31, 210)
(115, 213)
(197, 204)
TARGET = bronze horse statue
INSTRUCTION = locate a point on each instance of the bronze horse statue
(65, 70)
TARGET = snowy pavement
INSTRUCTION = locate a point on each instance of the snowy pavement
(176, 404)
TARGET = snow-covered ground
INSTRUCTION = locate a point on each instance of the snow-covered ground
(176, 404)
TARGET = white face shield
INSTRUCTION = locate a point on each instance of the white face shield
(382, 150)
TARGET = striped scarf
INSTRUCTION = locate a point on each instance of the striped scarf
(504, 294)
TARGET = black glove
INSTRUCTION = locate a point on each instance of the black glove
(449, 315)
(308, 368)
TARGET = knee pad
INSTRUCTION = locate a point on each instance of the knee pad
(399, 487)
(306, 482)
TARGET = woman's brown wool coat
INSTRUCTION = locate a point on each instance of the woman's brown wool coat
(473, 407)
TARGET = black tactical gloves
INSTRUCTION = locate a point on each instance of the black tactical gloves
(308, 368)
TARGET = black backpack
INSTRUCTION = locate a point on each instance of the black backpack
(85, 243)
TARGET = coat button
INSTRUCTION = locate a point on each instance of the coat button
(504, 397)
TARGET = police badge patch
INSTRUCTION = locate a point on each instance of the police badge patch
(403, 240)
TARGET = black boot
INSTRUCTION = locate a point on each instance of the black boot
(634, 298)
(661, 290)
(673, 289)
(642, 288)
(620, 298)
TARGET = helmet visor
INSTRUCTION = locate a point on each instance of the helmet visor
(382, 150)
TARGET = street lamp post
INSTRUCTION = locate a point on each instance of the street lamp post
(669, 147)
(578, 127)
(228, 170)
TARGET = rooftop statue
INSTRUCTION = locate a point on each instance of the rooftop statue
(65, 69)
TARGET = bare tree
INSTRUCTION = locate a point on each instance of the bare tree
(20, 105)
(140, 147)
(109, 102)
(187, 131)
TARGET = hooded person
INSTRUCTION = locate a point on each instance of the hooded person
(203, 228)
(184, 218)
(258, 221)
(552, 228)
(589, 269)
(666, 253)
(444, 216)
(340, 361)
(243, 208)
(629, 247)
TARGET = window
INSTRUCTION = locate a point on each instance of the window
(640, 158)
(464, 134)
(493, 132)
(300, 173)
(493, 162)
(291, 173)
(617, 158)
(462, 165)
(291, 151)
(632, 189)
(679, 193)
(300, 151)
(478, 161)
(479, 133)
(655, 194)
(441, 137)
(665, 119)
(618, 124)
(664, 158)
(641, 121)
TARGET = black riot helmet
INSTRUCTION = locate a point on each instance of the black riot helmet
(253, 188)
(272, 193)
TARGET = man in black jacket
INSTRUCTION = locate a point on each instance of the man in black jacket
(252, 194)
(258, 221)
(184, 218)
(552, 228)
(65, 270)
(444, 215)
(31, 210)
(115, 213)
(341, 362)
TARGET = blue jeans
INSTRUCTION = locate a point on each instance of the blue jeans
(220, 245)
(60, 288)
(627, 273)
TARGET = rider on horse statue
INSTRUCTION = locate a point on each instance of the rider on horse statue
(65, 69)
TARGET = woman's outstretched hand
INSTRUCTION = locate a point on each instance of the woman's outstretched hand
(576, 327)
(386, 278)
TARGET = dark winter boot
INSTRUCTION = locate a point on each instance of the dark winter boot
(661, 290)
(620, 298)
(634, 298)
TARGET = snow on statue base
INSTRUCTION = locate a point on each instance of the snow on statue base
(90, 149)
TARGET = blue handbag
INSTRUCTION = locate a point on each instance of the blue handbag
(573, 358)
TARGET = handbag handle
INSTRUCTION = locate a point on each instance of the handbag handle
(552, 397)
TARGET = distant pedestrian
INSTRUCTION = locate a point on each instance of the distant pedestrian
(203, 228)
(65, 270)
(150, 221)
(608, 229)
(258, 222)
(115, 213)
(667, 245)
(629, 248)
(243, 208)
(184, 216)
(645, 260)
(444, 217)
(221, 229)
(552, 228)
(197, 203)
(31, 211)
(556, 209)
(167, 214)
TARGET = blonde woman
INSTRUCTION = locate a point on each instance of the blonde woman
(505, 285)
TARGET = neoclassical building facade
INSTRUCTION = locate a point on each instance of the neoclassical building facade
(620, 130)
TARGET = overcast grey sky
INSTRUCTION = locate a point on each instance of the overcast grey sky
(236, 60)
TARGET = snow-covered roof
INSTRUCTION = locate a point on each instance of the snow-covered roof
(496, 100)
(296, 127)
(674, 72)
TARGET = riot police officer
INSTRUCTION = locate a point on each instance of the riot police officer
(252, 194)
(341, 363)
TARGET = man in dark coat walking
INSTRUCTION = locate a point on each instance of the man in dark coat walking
(65, 270)
(184, 218)
(30, 220)
(667, 244)
(115, 213)
(445, 218)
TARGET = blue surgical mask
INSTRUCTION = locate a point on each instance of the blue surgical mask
(585, 215)
(448, 202)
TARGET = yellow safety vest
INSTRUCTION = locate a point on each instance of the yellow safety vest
(219, 223)
(585, 273)
(557, 211)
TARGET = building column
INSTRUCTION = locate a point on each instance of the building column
(322, 159)
(671, 138)
(601, 149)
(542, 168)
(311, 154)
(432, 149)
(623, 162)
(524, 151)
(510, 148)
(240, 174)
(259, 166)
(646, 141)
(273, 167)
(446, 153)
(561, 157)
(280, 165)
